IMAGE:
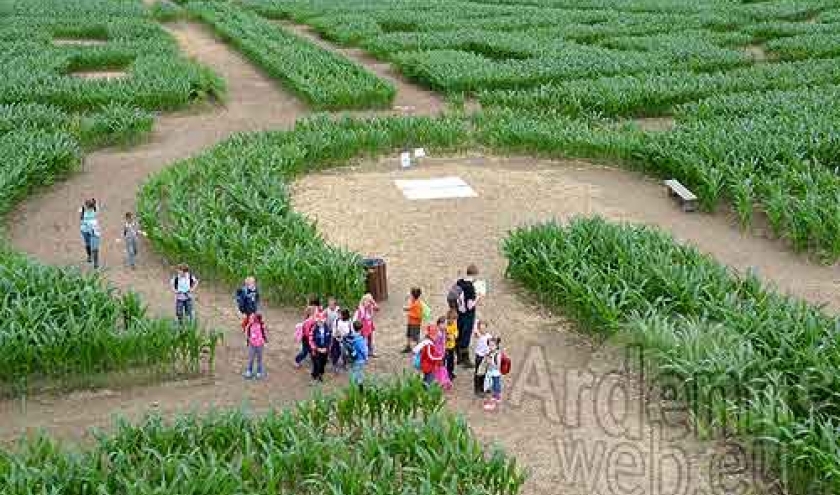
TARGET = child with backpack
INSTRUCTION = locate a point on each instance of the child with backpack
(183, 285)
(356, 353)
(494, 365)
(320, 340)
(247, 300)
(414, 316)
(426, 359)
(303, 331)
(343, 328)
(451, 342)
(257, 336)
(482, 348)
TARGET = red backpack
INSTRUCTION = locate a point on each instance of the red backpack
(504, 365)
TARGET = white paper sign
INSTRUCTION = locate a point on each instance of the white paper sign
(419, 153)
(446, 187)
(405, 159)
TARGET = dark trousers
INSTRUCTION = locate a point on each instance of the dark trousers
(304, 351)
(478, 380)
(319, 364)
(335, 352)
(466, 322)
(449, 360)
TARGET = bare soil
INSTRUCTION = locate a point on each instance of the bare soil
(424, 243)
(757, 53)
(655, 124)
(77, 42)
(100, 74)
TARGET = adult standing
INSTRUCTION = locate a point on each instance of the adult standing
(89, 229)
(248, 300)
(467, 299)
(183, 285)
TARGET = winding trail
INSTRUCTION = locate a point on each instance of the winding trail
(512, 191)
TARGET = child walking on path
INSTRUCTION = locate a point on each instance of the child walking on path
(365, 313)
(451, 342)
(492, 365)
(482, 348)
(356, 353)
(302, 333)
(257, 338)
(430, 361)
(183, 285)
(414, 316)
(131, 232)
(441, 374)
(87, 217)
(342, 330)
(248, 299)
(320, 341)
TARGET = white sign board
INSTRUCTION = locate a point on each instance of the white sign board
(419, 153)
(442, 188)
(405, 159)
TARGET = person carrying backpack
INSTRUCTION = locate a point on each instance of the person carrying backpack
(320, 340)
(248, 300)
(466, 302)
(257, 336)
(183, 285)
(356, 353)
(494, 366)
(414, 316)
(426, 359)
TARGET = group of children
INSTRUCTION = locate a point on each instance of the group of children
(435, 354)
(333, 335)
(92, 234)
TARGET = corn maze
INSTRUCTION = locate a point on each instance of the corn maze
(748, 94)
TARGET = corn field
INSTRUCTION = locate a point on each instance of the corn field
(62, 329)
(325, 80)
(403, 442)
(751, 360)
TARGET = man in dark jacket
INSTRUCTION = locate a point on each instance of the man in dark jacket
(248, 299)
(468, 299)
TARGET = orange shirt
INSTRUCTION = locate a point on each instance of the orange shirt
(415, 312)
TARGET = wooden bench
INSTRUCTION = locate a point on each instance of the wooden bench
(686, 198)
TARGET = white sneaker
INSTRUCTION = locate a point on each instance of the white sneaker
(259, 376)
(247, 375)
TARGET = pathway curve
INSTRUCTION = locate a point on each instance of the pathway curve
(45, 227)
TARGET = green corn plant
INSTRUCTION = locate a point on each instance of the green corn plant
(737, 348)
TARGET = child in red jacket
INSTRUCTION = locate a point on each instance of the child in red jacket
(430, 361)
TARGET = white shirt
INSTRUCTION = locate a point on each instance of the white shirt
(342, 328)
(482, 348)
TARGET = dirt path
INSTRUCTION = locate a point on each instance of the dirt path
(424, 243)
(410, 98)
(45, 227)
(418, 240)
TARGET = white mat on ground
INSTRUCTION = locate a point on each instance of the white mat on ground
(442, 188)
